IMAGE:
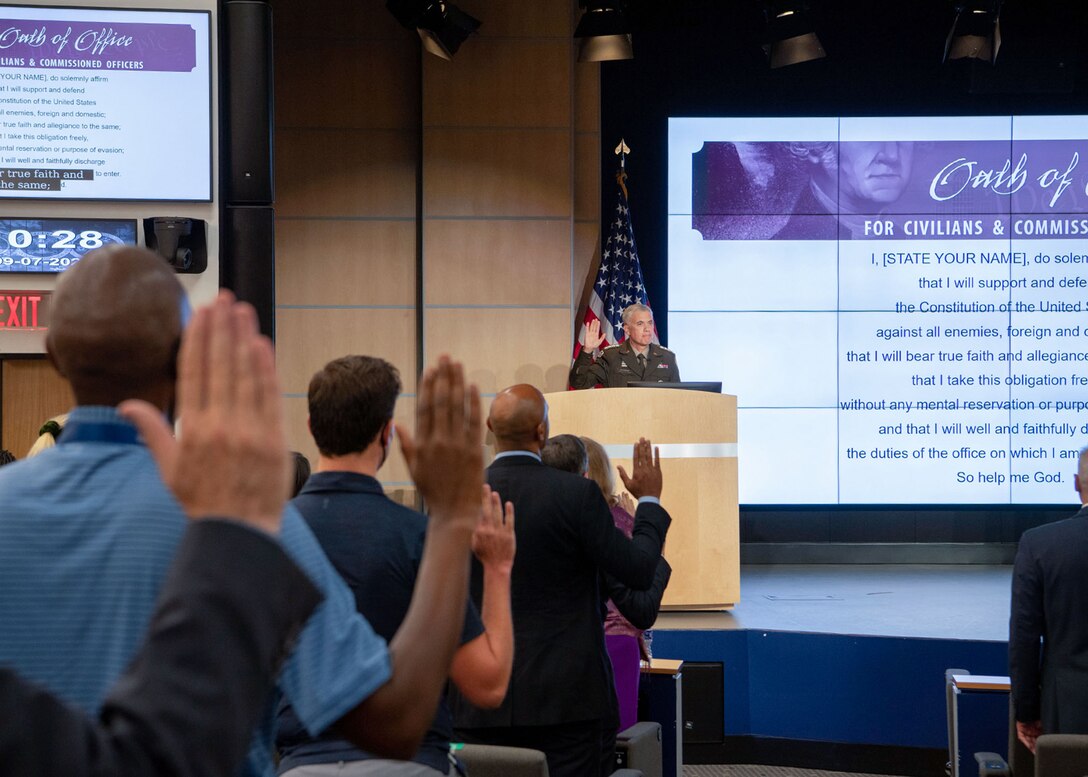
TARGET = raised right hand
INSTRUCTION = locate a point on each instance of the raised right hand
(494, 542)
(594, 338)
(646, 478)
(445, 457)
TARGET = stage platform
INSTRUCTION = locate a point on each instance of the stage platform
(938, 601)
(842, 666)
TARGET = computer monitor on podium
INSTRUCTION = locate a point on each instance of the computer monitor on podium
(713, 386)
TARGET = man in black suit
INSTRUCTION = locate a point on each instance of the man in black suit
(561, 698)
(231, 604)
(1050, 603)
(637, 358)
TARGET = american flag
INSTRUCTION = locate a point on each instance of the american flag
(619, 279)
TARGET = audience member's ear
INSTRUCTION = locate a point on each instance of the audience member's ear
(50, 356)
(1076, 483)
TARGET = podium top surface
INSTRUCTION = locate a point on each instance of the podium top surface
(622, 415)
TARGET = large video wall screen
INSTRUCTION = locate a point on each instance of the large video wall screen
(898, 302)
(104, 104)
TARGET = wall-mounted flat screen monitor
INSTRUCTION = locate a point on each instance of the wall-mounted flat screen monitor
(105, 104)
(897, 302)
(53, 245)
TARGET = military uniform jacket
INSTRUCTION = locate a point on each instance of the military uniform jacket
(618, 365)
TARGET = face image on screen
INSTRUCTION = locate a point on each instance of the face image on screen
(898, 303)
(105, 104)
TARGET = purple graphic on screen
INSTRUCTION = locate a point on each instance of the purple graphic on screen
(80, 45)
(861, 190)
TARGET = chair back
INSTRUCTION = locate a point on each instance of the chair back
(495, 761)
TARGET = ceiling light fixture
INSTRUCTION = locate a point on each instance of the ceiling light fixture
(604, 31)
(976, 31)
(791, 35)
(442, 26)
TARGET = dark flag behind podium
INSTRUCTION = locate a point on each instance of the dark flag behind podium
(619, 279)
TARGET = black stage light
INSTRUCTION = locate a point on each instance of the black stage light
(442, 26)
(604, 31)
(790, 33)
(976, 31)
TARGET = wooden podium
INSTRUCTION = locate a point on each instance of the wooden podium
(696, 432)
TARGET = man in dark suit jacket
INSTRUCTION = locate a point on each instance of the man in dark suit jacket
(1050, 602)
(561, 698)
(637, 358)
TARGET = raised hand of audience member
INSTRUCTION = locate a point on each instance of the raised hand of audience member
(627, 503)
(493, 541)
(445, 454)
(230, 458)
(645, 479)
(481, 667)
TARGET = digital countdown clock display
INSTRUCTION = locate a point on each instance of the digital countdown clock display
(54, 245)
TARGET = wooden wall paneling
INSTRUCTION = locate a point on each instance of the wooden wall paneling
(586, 262)
(308, 339)
(587, 177)
(500, 83)
(342, 173)
(513, 262)
(503, 18)
(345, 262)
(332, 19)
(488, 173)
(587, 96)
(32, 393)
(504, 346)
(347, 83)
(347, 161)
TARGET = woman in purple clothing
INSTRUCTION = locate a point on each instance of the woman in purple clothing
(626, 640)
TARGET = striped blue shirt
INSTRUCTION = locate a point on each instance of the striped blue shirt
(87, 533)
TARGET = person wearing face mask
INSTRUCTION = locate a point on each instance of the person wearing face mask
(376, 545)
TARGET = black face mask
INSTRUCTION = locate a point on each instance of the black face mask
(385, 443)
(171, 408)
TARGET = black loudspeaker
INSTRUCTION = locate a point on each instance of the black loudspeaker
(247, 263)
(704, 703)
(247, 116)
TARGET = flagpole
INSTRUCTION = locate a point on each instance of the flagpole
(622, 150)
(619, 281)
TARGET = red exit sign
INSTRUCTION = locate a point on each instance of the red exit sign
(24, 310)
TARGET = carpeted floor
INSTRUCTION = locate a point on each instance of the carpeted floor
(746, 770)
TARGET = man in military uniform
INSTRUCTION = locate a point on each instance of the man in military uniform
(636, 359)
